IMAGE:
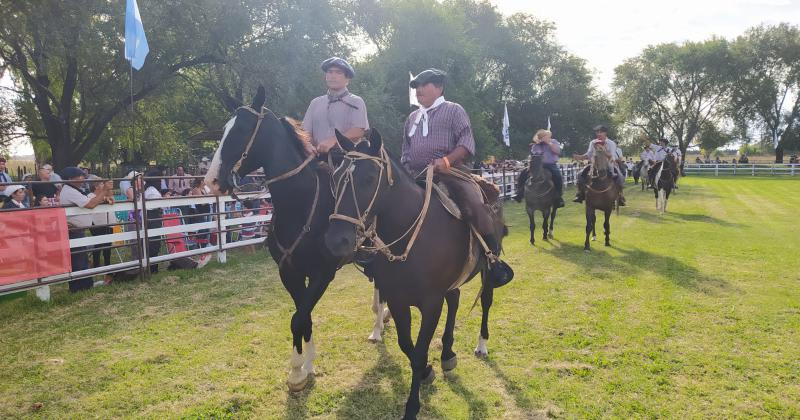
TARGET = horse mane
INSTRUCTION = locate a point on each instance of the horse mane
(301, 136)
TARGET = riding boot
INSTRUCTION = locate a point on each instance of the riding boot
(559, 202)
(500, 273)
(621, 199)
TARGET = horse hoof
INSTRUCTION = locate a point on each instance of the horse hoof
(550, 235)
(374, 340)
(297, 386)
(431, 375)
(448, 365)
(587, 250)
(594, 238)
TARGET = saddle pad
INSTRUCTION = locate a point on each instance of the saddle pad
(447, 202)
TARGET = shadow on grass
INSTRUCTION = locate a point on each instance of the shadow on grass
(368, 399)
(477, 407)
(297, 402)
(634, 261)
(671, 218)
(522, 401)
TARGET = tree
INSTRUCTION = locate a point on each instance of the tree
(711, 139)
(67, 59)
(674, 89)
(766, 89)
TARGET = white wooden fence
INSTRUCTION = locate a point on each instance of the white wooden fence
(751, 169)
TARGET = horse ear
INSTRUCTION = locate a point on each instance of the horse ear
(259, 99)
(375, 142)
(344, 142)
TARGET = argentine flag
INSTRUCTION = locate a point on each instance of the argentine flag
(136, 48)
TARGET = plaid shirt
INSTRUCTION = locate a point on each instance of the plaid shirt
(448, 128)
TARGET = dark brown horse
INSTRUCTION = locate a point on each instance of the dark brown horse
(601, 194)
(423, 253)
(303, 201)
(540, 194)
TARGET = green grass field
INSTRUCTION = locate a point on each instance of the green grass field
(688, 315)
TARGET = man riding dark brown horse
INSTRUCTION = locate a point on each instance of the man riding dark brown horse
(610, 148)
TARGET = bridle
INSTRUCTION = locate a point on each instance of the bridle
(364, 228)
(286, 252)
(540, 180)
(236, 166)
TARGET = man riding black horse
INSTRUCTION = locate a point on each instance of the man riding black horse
(610, 146)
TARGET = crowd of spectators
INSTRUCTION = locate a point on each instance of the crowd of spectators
(78, 187)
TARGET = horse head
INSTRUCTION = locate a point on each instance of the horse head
(232, 159)
(359, 183)
(535, 166)
(600, 162)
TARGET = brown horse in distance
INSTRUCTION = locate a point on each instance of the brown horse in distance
(601, 193)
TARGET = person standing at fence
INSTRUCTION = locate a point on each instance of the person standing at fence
(45, 194)
(182, 184)
(100, 222)
(152, 186)
(4, 177)
(71, 195)
(337, 109)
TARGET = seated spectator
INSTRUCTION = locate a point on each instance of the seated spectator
(45, 194)
(15, 198)
(71, 195)
(151, 191)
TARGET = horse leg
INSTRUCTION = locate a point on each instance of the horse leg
(378, 310)
(589, 227)
(487, 296)
(552, 219)
(421, 370)
(607, 227)
(449, 360)
(295, 285)
(402, 322)
(545, 217)
(532, 224)
(317, 285)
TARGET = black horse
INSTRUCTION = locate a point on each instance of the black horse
(540, 194)
(602, 194)
(303, 201)
(423, 253)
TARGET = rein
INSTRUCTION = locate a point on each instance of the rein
(365, 231)
(286, 252)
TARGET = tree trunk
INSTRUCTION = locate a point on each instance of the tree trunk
(779, 154)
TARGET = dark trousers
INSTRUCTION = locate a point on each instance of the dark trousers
(467, 194)
(106, 253)
(154, 244)
(80, 261)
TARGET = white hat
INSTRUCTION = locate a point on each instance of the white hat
(11, 189)
(204, 159)
(132, 174)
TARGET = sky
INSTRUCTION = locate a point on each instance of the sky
(605, 33)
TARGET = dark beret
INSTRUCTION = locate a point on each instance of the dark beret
(434, 76)
(663, 140)
(71, 172)
(601, 128)
(341, 63)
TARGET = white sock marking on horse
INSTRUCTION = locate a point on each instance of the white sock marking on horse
(297, 373)
(377, 309)
(310, 353)
(481, 349)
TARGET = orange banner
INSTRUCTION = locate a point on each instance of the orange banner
(33, 244)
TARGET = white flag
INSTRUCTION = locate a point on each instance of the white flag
(412, 93)
(506, 137)
(548, 123)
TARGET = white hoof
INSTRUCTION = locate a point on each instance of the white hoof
(481, 350)
(298, 375)
(387, 316)
(594, 238)
(375, 337)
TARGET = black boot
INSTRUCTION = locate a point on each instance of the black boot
(559, 202)
(621, 199)
(500, 273)
(579, 196)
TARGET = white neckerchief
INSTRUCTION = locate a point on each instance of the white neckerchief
(422, 114)
(19, 204)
